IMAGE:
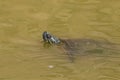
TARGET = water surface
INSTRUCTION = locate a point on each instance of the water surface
(23, 56)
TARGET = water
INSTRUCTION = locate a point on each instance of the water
(23, 55)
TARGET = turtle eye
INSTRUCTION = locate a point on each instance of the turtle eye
(48, 36)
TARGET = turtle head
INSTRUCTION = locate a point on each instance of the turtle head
(47, 37)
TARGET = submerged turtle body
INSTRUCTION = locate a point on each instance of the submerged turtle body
(80, 45)
(88, 47)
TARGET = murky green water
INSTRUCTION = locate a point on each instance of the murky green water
(22, 55)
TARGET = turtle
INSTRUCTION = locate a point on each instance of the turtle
(74, 47)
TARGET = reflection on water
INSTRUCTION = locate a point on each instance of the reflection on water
(23, 56)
